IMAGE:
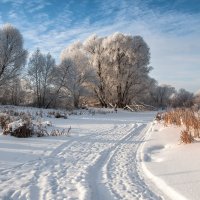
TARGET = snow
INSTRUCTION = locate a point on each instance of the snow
(14, 125)
(171, 166)
(107, 155)
(97, 161)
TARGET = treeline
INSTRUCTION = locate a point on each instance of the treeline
(100, 71)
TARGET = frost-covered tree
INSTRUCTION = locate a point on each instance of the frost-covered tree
(13, 93)
(146, 96)
(127, 60)
(12, 53)
(79, 73)
(96, 53)
(121, 65)
(162, 95)
(16, 92)
(40, 71)
(59, 82)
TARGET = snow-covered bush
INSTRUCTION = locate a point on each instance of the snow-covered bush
(58, 132)
(60, 115)
(23, 131)
(28, 123)
(39, 113)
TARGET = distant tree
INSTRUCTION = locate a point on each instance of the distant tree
(146, 95)
(162, 95)
(13, 93)
(16, 92)
(196, 100)
(182, 98)
(12, 54)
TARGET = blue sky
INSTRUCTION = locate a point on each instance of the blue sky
(170, 27)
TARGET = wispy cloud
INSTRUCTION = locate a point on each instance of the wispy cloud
(172, 34)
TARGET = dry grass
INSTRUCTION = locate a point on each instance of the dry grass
(187, 118)
(186, 138)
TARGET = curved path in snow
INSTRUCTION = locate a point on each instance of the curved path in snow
(98, 166)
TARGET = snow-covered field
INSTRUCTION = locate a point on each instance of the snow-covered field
(109, 156)
(97, 161)
(174, 168)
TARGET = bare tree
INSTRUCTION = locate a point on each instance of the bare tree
(40, 71)
(35, 65)
(16, 91)
(47, 77)
(13, 93)
(12, 54)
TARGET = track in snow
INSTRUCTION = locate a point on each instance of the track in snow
(115, 175)
(98, 166)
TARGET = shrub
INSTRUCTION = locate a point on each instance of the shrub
(22, 132)
(26, 119)
(57, 115)
(57, 132)
(186, 138)
(158, 117)
(60, 115)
